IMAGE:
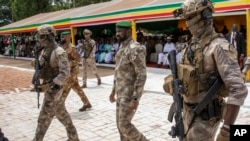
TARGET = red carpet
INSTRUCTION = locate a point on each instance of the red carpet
(153, 65)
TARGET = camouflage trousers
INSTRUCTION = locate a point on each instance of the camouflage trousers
(128, 132)
(201, 130)
(72, 82)
(53, 105)
(89, 62)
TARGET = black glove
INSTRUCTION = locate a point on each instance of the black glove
(54, 86)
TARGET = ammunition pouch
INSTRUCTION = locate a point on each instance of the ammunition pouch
(212, 110)
(186, 75)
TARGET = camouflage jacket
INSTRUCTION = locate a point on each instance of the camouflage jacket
(58, 61)
(221, 58)
(130, 71)
(74, 58)
(89, 45)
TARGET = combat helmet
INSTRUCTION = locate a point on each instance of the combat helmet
(191, 8)
(198, 15)
(46, 29)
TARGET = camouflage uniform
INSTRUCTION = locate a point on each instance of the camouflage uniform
(130, 77)
(72, 80)
(246, 67)
(219, 57)
(89, 48)
(54, 71)
(208, 56)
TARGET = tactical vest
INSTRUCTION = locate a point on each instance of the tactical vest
(47, 72)
(87, 48)
(191, 68)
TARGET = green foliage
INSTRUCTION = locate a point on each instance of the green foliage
(15, 10)
(25, 8)
(80, 3)
(5, 12)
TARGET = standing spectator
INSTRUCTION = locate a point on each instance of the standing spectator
(235, 38)
(72, 81)
(89, 48)
(224, 30)
(129, 80)
(55, 70)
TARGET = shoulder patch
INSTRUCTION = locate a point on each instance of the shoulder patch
(134, 44)
(59, 50)
(228, 47)
(230, 50)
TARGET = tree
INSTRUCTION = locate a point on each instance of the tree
(80, 3)
(25, 8)
(5, 12)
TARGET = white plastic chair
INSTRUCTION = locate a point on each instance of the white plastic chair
(154, 56)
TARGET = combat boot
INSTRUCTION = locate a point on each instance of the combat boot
(99, 82)
(144, 139)
(84, 86)
(84, 107)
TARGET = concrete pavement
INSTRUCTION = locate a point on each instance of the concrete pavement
(19, 113)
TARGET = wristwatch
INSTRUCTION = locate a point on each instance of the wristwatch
(54, 86)
(134, 98)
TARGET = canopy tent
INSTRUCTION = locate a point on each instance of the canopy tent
(113, 11)
(159, 27)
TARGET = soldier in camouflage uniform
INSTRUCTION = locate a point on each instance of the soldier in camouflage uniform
(89, 48)
(72, 80)
(130, 77)
(246, 68)
(54, 71)
(209, 55)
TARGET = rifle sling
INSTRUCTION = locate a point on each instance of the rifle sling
(206, 100)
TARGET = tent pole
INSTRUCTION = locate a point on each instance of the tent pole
(248, 38)
(13, 46)
(72, 35)
(133, 30)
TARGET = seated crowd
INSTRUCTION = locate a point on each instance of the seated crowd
(157, 48)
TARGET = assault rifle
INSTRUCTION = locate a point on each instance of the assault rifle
(176, 107)
(212, 91)
(87, 52)
(36, 76)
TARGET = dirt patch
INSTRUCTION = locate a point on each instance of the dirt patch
(16, 80)
(12, 80)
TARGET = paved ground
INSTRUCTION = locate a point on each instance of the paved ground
(19, 113)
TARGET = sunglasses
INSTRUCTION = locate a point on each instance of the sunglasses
(42, 36)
